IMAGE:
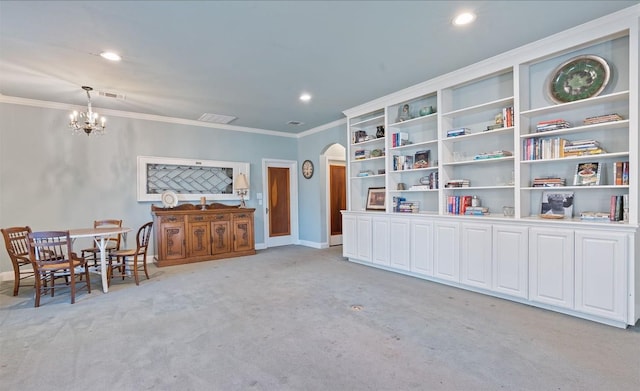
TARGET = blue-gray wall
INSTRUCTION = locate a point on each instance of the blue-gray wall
(53, 180)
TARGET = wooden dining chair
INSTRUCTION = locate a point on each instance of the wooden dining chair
(126, 262)
(51, 255)
(113, 242)
(16, 242)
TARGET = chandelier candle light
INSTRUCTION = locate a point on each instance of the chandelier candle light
(88, 121)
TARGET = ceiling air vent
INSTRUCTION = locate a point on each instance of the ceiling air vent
(216, 118)
(295, 123)
(112, 95)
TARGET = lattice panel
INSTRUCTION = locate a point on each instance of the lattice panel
(189, 179)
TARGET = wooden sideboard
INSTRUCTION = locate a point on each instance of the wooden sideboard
(188, 233)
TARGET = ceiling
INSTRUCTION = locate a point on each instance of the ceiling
(252, 59)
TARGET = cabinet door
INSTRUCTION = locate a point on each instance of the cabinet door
(198, 239)
(380, 242)
(446, 257)
(510, 260)
(220, 237)
(601, 274)
(551, 266)
(364, 238)
(399, 244)
(422, 247)
(243, 232)
(349, 236)
(475, 259)
(172, 239)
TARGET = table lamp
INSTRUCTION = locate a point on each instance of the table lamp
(242, 187)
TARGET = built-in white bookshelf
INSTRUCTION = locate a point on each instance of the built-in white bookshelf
(484, 127)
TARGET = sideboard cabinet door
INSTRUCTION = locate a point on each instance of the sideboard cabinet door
(172, 239)
(243, 232)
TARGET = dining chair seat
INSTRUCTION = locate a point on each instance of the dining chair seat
(16, 243)
(51, 255)
(92, 254)
(128, 262)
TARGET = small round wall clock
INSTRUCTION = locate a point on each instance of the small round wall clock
(307, 169)
(578, 78)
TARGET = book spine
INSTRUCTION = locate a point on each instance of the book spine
(625, 173)
(612, 208)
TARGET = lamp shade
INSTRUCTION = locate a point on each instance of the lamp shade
(241, 182)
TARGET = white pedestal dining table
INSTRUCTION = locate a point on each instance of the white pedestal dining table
(100, 236)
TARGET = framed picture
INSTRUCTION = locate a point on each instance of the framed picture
(376, 198)
(556, 204)
(587, 174)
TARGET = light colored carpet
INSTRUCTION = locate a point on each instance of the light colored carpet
(296, 318)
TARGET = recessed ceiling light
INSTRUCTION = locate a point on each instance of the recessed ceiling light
(111, 56)
(305, 97)
(464, 18)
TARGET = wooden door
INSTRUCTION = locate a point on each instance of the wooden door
(279, 203)
(220, 236)
(198, 238)
(337, 201)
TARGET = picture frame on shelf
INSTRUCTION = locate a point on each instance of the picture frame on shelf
(587, 174)
(404, 113)
(376, 198)
(556, 205)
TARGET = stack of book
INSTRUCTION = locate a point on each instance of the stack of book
(492, 155)
(594, 216)
(457, 132)
(458, 183)
(507, 116)
(554, 124)
(602, 118)
(582, 147)
(476, 210)
(549, 182)
(621, 173)
(408, 207)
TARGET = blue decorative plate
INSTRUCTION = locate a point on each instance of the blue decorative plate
(579, 78)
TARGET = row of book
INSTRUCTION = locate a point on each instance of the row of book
(399, 139)
(621, 173)
(461, 205)
(619, 208)
(427, 182)
(507, 116)
(402, 162)
(556, 148)
(554, 124)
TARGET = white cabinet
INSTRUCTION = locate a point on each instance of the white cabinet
(475, 257)
(510, 260)
(350, 233)
(446, 245)
(380, 242)
(422, 247)
(399, 243)
(551, 266)
(601, 274)
(363, 235)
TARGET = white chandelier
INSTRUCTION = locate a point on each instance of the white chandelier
(86, 122)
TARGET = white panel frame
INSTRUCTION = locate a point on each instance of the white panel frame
(238, 167)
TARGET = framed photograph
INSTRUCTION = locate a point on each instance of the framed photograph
(421, 159)
(556, 205)
(376, 198)
(587, 174)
